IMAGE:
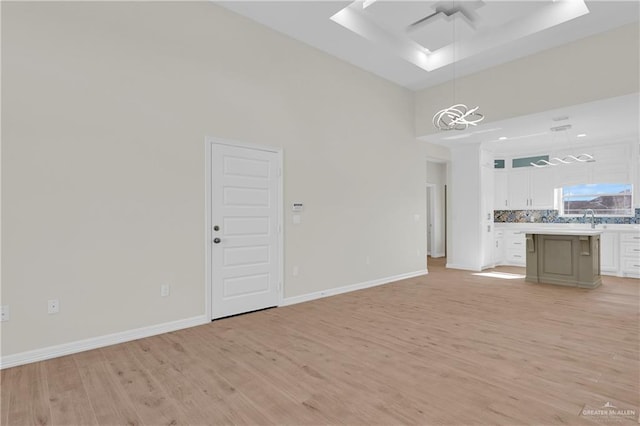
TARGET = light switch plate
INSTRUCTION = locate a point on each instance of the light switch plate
(4, 313)
(53, 306)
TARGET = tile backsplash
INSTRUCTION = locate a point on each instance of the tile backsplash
(551, 216)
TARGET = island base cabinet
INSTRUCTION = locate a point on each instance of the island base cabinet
(571, 260)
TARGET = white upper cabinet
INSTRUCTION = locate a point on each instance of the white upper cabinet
(501, 195)
(541, 189)
(518, 189)
(571, 174)
(530, 188)
(611, 164)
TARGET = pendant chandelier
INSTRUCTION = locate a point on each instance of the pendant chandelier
(458, 116)
(569, 159)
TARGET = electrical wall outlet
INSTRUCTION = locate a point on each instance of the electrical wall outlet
(53, 306)
(4, 313)
(164, 290)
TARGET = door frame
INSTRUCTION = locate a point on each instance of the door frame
(431, 200)
(443, 202)
(208, 210)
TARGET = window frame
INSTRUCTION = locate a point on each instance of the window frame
(559, 200)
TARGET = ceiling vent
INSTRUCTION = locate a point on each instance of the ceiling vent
(560, 128)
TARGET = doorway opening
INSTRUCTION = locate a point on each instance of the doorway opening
(436, 209)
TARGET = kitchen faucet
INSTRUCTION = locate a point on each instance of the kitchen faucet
(593, 217)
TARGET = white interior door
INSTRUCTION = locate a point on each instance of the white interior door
(245, 211)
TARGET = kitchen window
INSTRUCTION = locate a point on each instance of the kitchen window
(605, 199)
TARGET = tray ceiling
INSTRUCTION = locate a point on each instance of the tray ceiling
(449, 39)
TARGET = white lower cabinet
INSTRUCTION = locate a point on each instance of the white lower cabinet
(515, 253)
(630, 254)
(609, 252)
(631, 267)
(498, 251)
(620, 253)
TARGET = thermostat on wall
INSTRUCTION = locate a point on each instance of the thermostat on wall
(297, 207)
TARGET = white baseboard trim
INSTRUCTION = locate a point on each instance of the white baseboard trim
(49, 352)
(348, 288)
(463, 267)
(98, 342)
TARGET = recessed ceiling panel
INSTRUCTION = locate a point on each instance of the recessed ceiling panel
(396, 16)
(435, 24)
(441, 30)
(361, 21)
(495, 14)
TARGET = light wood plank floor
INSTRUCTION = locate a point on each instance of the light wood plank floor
(450, 348)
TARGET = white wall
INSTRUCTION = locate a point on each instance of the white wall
(437, 153)
(597, 67)
(464, 245)
(487, 242)
(436, 173)
(470, 240)
(105, 108)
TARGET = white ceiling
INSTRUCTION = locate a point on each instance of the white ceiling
(489, 33)
(605, 121)
(485, 34)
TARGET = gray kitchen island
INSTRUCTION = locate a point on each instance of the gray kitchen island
(570, 258)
